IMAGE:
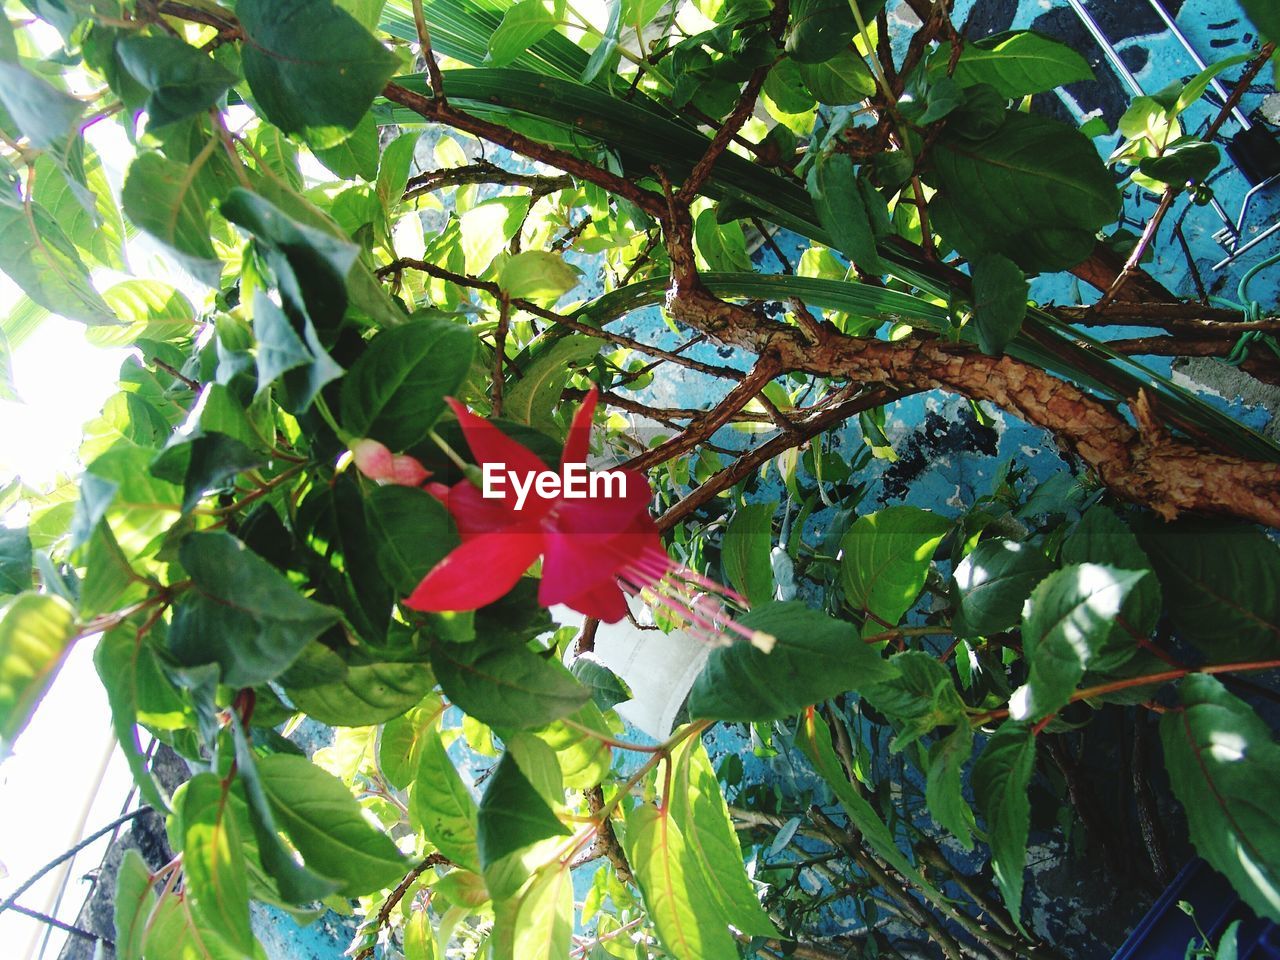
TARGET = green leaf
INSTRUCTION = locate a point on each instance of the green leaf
(523, 24)
(213, 860)
(176, 932)
(151, 309)
(326, 825)
(785, 88)
(982, 113)
(182, 80)
(395, 392)
(512, 815)
(1065, 622)
(583, 755)
(504, 684)
(15, 560)
(393, 171)
(814, 740)
(214, 461)
(748, 540)
(537, 274)
(38, 257)
(537, 761)
(1001, 777)
(311, 66)
(1265, 16)
(839, 80)
(842, 208)
(400, 744)
(442, 805)
(1035, 191)
(533, 398)
(366, 12)
(721, 245)
(819, 29)
(813, 657)
(413, 531)
(1198, 84)
(698, 807)
(356, 686)
(296, 883)
(356, 156)
(1185, 160)
(1101, 537)
(1223, 766)
(119, 487)
(77, 194)
(886, 559)
(44, 114)
(124, 663)
(171, 202)
(999, 301)
(682, 909)
(992, 583)
(606, 689)
(1017, 63)
(944, 787)
(134, 900)
(605, 53)
(939, 98)
(311, 265)
(36, 630)
(1221, 584)
(544, 919)
(918, 696)
(364, 291)
(419, 936)
(241, 613)
(305, 366)
(1228, 948)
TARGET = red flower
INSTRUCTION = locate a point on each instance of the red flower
(586, 544)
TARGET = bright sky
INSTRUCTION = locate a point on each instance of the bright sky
(54, 787)
(64, 779)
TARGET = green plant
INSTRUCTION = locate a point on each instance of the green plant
(229, 547)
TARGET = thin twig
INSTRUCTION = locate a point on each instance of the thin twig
(1173, 190)
(500, 353)
(424, 41)
(395, 896)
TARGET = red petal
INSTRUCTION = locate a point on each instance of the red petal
(491, 445)
(603, 515)
(476, 573)
(476, 514)
(606, 603)
(578, 563)
(578, 443)
(574, 565)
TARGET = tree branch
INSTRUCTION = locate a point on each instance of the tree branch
(482, 171)
(432, 109)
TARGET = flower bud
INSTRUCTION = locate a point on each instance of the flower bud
(376, 462)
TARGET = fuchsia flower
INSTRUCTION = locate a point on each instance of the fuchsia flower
(585, 544)
(595, 549)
